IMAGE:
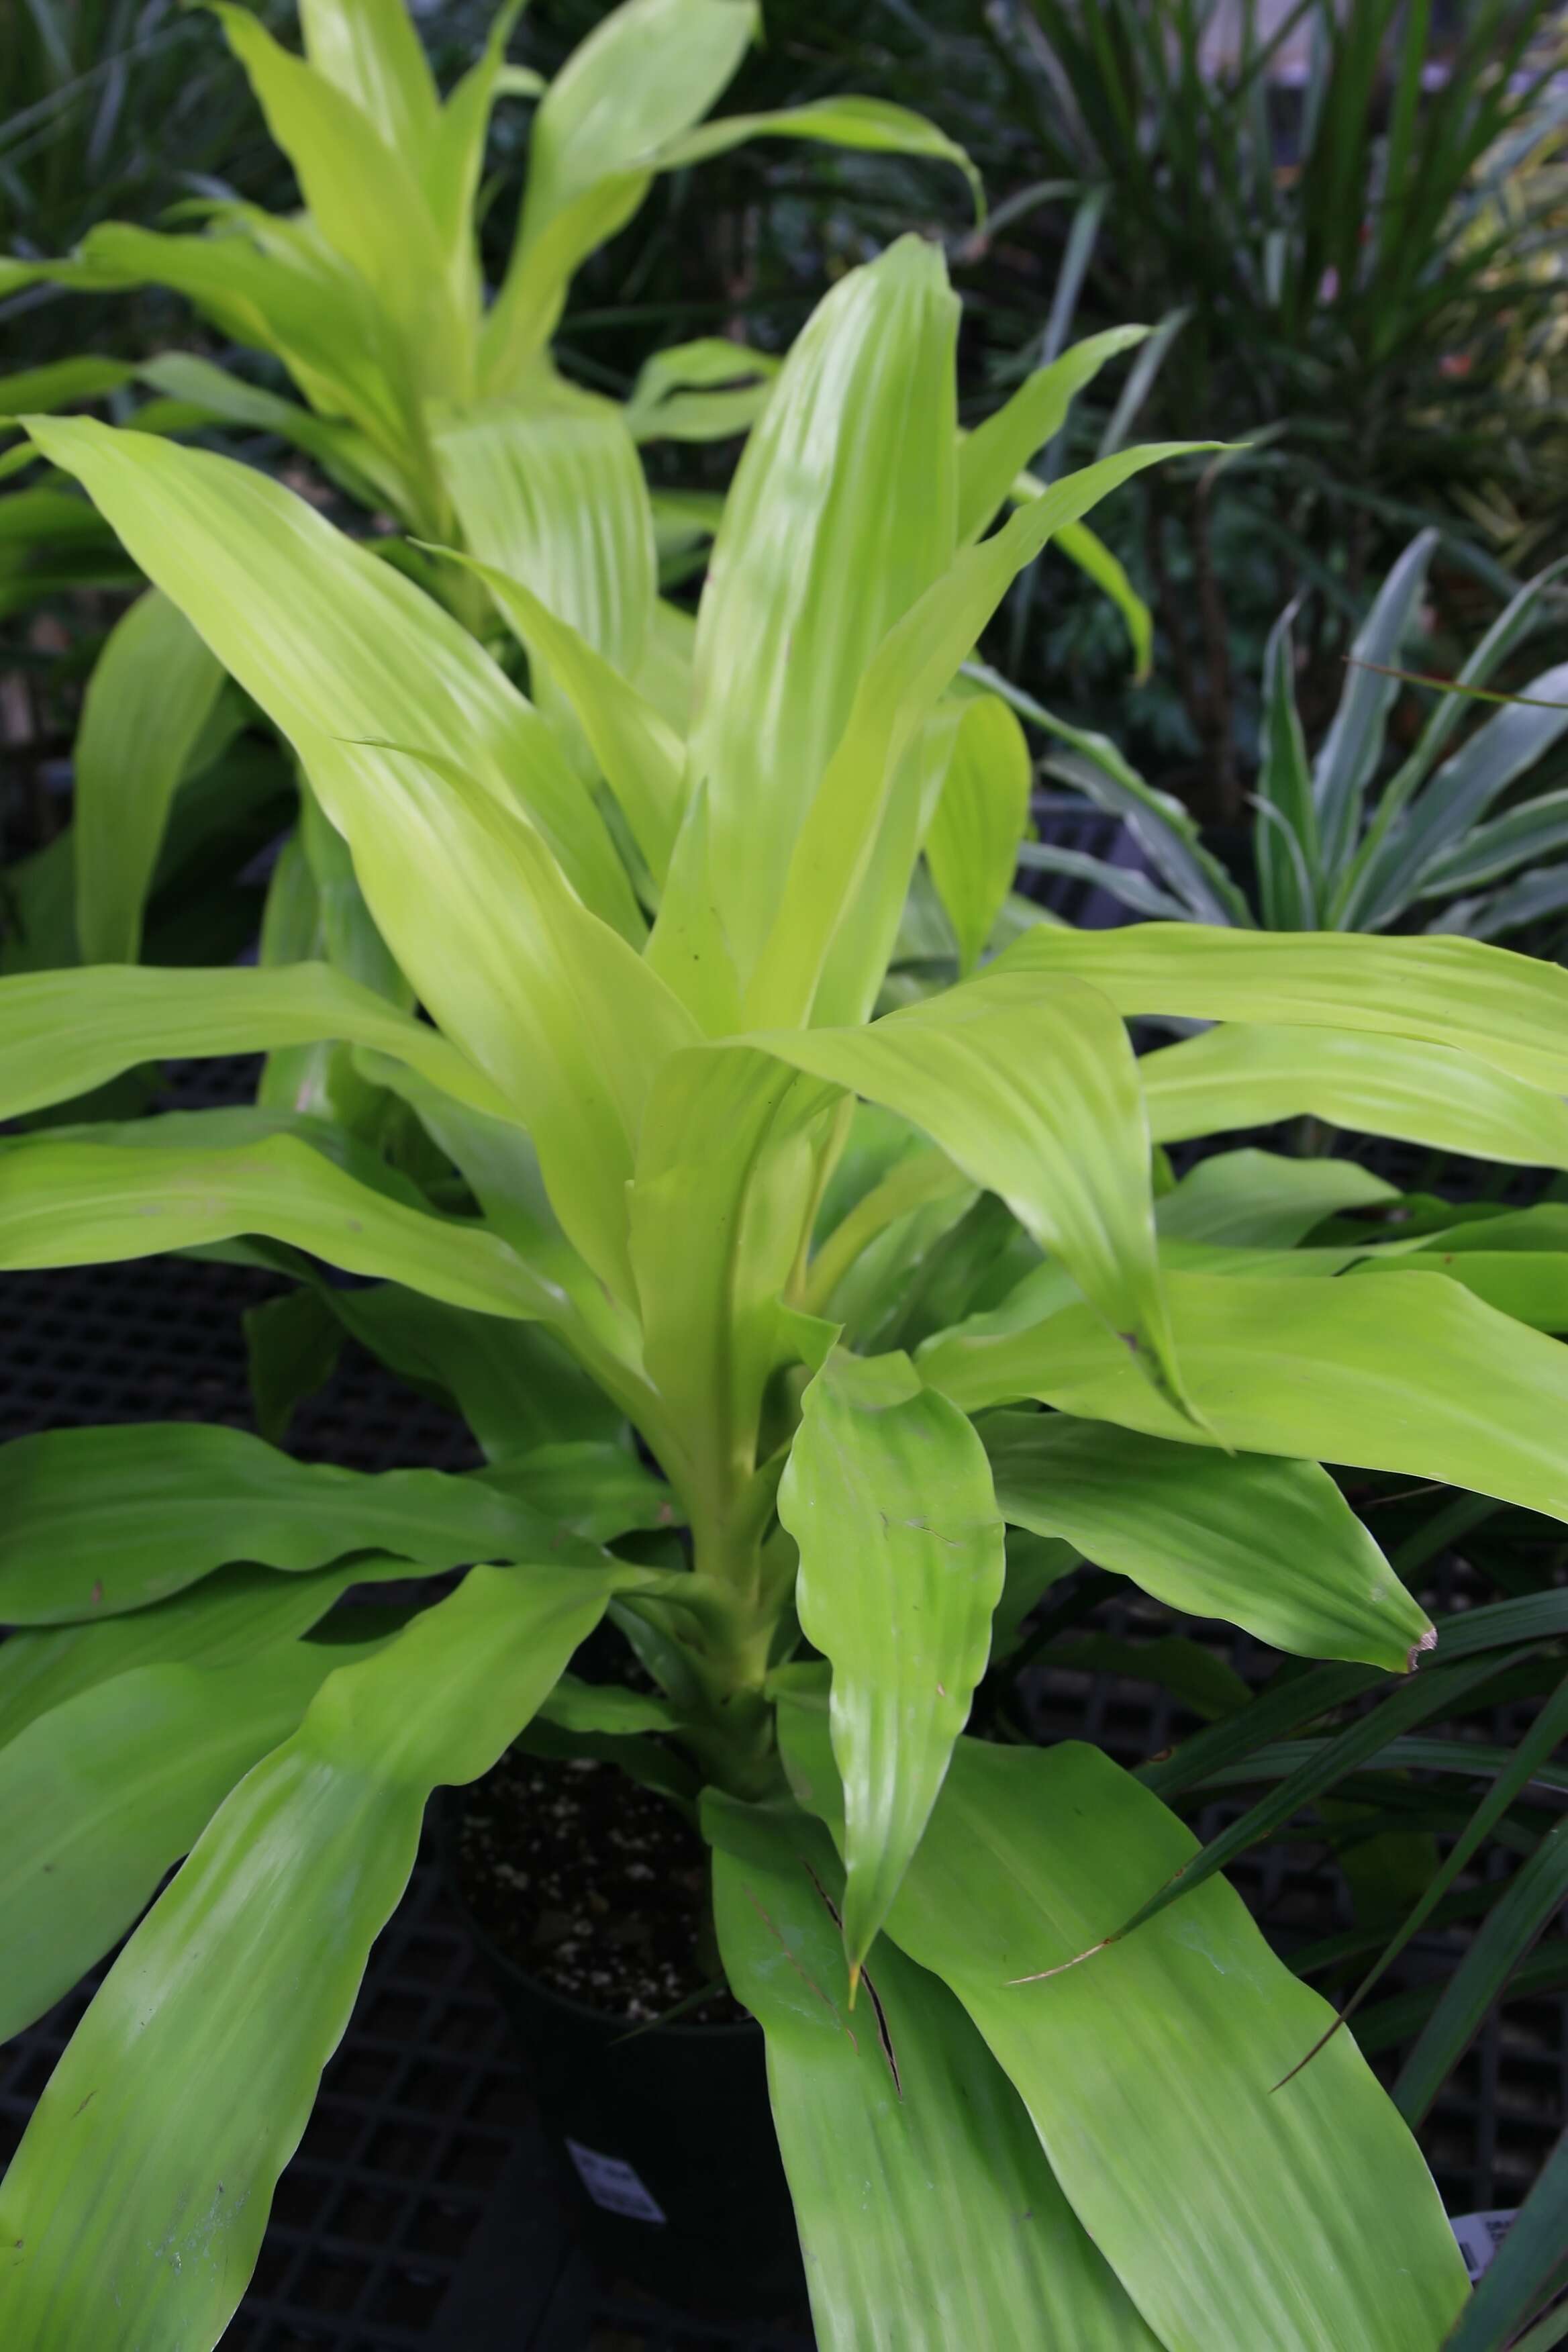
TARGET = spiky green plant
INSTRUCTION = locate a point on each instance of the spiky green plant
(681, 1174)
(1462, 836)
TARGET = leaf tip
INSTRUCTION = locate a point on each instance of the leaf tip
(1428, 1641)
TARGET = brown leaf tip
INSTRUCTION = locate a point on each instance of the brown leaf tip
(1428, 1641)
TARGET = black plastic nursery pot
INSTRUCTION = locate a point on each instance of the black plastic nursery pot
(665, 2133)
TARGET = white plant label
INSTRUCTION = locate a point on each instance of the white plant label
(1480, 2235)
(612, 2183)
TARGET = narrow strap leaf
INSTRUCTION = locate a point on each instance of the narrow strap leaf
(1536, 1893)
(1526, 2269)
(1420, 1698)
(147, 706)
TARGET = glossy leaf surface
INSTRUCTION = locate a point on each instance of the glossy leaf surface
(1507, 1010)
(100, 1520)
(1266, 1543)
(928, 2214)
(1446, 1389)
(887, 1495)
(186, 2087)
(1234, 2216)
(148, 700)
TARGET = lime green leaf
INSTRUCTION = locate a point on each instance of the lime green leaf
(498, 1163)
(90, 1204)
(872, 125)
(363, 197)
(99, 1520)
(555, 1006)
(919, 1180)
(689, 947)
(1260, 1200)
(1033, 1093)
(1446, 1389)
(148, 701)
(593, 1487)
(186, 2088)
(972, 846)
(339, 447)
(726, 1149)
(337, 648)
(525, 313)
(664, 674)
(1086, 550)
(642, 759)
(879, 927)
(704, 391)
(579, 1022)
(549, 490)
(607, 1707)
(647, 71)
(840, 515)
(997, 453)
(61, 383)
(1531, 1287)
(1150, 2071)
(273, 284)
(887, 1493)
(917, 659)
(62, 1032)
(1269, 1544)
(109, 1788)
(452, 158)
(1511, 1010)
(234, 1616)
(1239, 1075)
(928, 2215)
(371, 50)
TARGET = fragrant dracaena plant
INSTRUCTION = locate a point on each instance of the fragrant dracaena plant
(419, 397)
(696, 1173)
(420, 393)
(1452, 837)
